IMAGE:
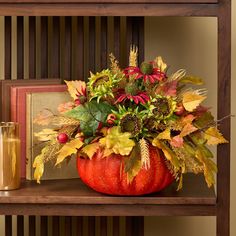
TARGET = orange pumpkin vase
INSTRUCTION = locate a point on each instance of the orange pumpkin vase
(107, 175)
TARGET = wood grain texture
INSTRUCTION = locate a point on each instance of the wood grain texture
(108, 1)
(91, 226)
(224, 99)
(108, 210)
(109, 9)
(65, 192)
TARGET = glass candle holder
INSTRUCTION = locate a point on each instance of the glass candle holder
(9, 156)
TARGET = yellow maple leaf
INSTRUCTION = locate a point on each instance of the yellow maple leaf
(187, 129)
(192, 99)
(68, 149)
(75, 87)
(214, 137)
(118, 142)
(107, 152)
(164, 135)
(90, 149)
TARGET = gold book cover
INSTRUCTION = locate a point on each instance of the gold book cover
(36, 102)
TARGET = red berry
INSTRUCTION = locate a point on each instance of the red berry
(62, 138)
(111, 119)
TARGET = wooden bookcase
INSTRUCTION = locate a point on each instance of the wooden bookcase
(72, 198)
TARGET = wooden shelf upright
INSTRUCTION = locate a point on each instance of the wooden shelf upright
(71, 197)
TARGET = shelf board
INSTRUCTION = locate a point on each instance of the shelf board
(200, 8)
(74, 191)
(72, 197)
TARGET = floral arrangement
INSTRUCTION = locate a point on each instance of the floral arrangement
(123, 111)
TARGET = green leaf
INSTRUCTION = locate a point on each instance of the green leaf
(191, 80)
(204, 120)
(210, 167)
(89, 115)
(133, 163)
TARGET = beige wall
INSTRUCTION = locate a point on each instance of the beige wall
(191, 43)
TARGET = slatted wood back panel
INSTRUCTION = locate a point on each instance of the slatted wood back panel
(68, 48)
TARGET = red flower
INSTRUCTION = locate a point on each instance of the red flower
(140, 97)
(81, 95)
(152, 76)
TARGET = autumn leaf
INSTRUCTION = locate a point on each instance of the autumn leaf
(75, 87)
(192, 99)
(168, 88)
(90, 149)
(164, 135)
(210, 167)
(44, 117)
(204, 120)
(107, 152)
(45, 135)
(188, 129)
(38, 164)
(214, 137)
(68, 149)
(118, 142)
(133, 163)
(169, 154)
(191, 80)
(177, 141)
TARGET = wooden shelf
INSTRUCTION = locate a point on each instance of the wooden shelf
(72, 196)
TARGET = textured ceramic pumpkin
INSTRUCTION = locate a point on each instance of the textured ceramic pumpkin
(106, 175)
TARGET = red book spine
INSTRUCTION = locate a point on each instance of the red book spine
(13, 104)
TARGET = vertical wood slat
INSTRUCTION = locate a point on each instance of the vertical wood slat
(117, 37)
(32, 225)
(7, 40)
(20, 225)
(79, 226)
(68, 50)
(116, 226)
(103, 226)
(44, 47)
(68, 225)
(135, 35)
(104, 42)
(20, 47)
(8, 225)
(55, 50)
(92, 38)
(91, 226)
(32, 47)
(224, 109)
(55, 225)
(135, 226)
(80, 49)
(44, 225)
